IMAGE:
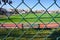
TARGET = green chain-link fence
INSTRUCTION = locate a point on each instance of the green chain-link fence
(30, 24)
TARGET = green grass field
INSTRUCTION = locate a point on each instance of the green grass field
(31, 18)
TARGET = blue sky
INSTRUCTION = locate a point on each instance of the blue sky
(31, 3)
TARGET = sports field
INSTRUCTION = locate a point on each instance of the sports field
(31, 18)
(30, 33)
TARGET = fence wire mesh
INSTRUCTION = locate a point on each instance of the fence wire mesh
(19, 23)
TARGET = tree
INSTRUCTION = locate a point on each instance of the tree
(4, 12)
(6, 1)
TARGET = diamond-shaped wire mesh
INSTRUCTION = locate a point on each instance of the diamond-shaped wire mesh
(19, 23)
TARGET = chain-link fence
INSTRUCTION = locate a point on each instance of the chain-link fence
(29, 20)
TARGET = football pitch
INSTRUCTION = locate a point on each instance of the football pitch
(31, 18)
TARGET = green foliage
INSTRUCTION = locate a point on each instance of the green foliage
(10, 38)
(29, 33)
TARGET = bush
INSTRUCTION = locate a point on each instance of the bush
(55, 34)
(10, 38)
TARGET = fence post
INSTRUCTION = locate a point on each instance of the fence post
(22, 27)
(38, 26)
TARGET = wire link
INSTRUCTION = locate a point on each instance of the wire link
(24, 20)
